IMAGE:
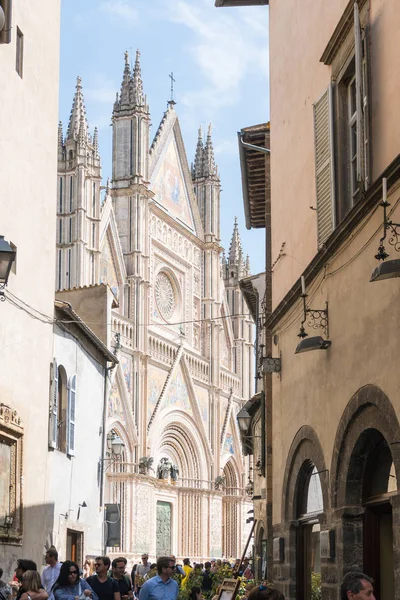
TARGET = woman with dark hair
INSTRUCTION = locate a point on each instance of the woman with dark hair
(70, 586)
(262, 592)
(195, 593)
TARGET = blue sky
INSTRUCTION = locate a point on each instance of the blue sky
(219, 58)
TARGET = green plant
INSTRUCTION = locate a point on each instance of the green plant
(316, 593)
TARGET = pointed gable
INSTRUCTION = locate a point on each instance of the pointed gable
(170, 178)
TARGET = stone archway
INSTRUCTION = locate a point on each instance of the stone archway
(305, 460)
(366, 454)
(305, 450)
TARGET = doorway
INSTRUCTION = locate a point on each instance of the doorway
(378, 549)
(75, 546)
(310, 505)
(164, 529)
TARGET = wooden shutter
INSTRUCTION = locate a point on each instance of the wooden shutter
(366, 128)
(324, 167)
(358, 54)
(54, 400)
(71, 416)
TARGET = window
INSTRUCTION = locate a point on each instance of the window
(5, 14)
(20, 52)
(71, 416)
(11, 438)
(341, 122)
(62, 410)
(61, 196)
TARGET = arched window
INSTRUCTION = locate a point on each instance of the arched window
(310, 505)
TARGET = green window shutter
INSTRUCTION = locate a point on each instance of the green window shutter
(324, 168)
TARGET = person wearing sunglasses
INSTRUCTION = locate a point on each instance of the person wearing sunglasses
(70, 586)
(162, 586)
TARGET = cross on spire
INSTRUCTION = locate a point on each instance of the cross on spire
(171, 102)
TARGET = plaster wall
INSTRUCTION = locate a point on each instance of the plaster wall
(316, 387)
(28, 159)
(73, 480)
(299, 33)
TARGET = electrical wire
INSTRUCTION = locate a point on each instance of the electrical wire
(14, 300)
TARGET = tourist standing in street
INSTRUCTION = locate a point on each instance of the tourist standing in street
(52, 571)
(207, 581)
(5, 589)
(161, 587)
(105, 587)
(123, 581)
(88, 568)
(69, 586)
(357, 586)
(263, 592)
(188, 569)
(31, 584)
(23, 565)
(141, 571)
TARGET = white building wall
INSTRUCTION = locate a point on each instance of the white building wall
(28, 159)
(75, 479)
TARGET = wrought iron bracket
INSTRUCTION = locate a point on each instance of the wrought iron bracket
(394, 235)
(316, 318)
(2, 292)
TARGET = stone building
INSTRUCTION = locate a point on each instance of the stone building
(29, 67)
(176, 319)
(335, 174)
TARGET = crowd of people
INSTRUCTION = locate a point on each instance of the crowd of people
(103, 579)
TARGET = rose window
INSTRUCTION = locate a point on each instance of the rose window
(165, 296)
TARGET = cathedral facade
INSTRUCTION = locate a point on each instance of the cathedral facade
(177, 321)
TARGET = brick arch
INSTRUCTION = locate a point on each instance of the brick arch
(305, 450)
(369, 419)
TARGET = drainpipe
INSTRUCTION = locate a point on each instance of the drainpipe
(103, 440)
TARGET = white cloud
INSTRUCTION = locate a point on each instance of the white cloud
(225, 48)
(122, 9)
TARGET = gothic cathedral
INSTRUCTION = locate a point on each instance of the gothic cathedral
(177, 320)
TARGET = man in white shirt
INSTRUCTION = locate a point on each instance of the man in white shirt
(51, 573)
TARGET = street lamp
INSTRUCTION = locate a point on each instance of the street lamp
(244, 420)
(117, 446)
(7, 257)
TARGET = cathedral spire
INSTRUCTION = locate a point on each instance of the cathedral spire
(197, 170)
(77, 119)
(125, 85)
(136, 84)
(209, 167)
(235, 250)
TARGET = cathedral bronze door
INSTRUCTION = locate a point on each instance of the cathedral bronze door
(163, 533)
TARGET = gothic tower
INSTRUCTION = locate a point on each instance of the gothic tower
(235, 268)
(130, 193)
(78, 202)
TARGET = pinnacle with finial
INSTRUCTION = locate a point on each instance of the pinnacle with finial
(125, 85)
(77, 119)
(60, 134)
(209, 160)
(198, 159)
(96, 142)
(235, 250)
(136, 85)
(108, 187)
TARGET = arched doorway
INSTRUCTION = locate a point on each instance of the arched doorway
(365, 466)
(305, 504)
(372, 475)
(309, 507)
